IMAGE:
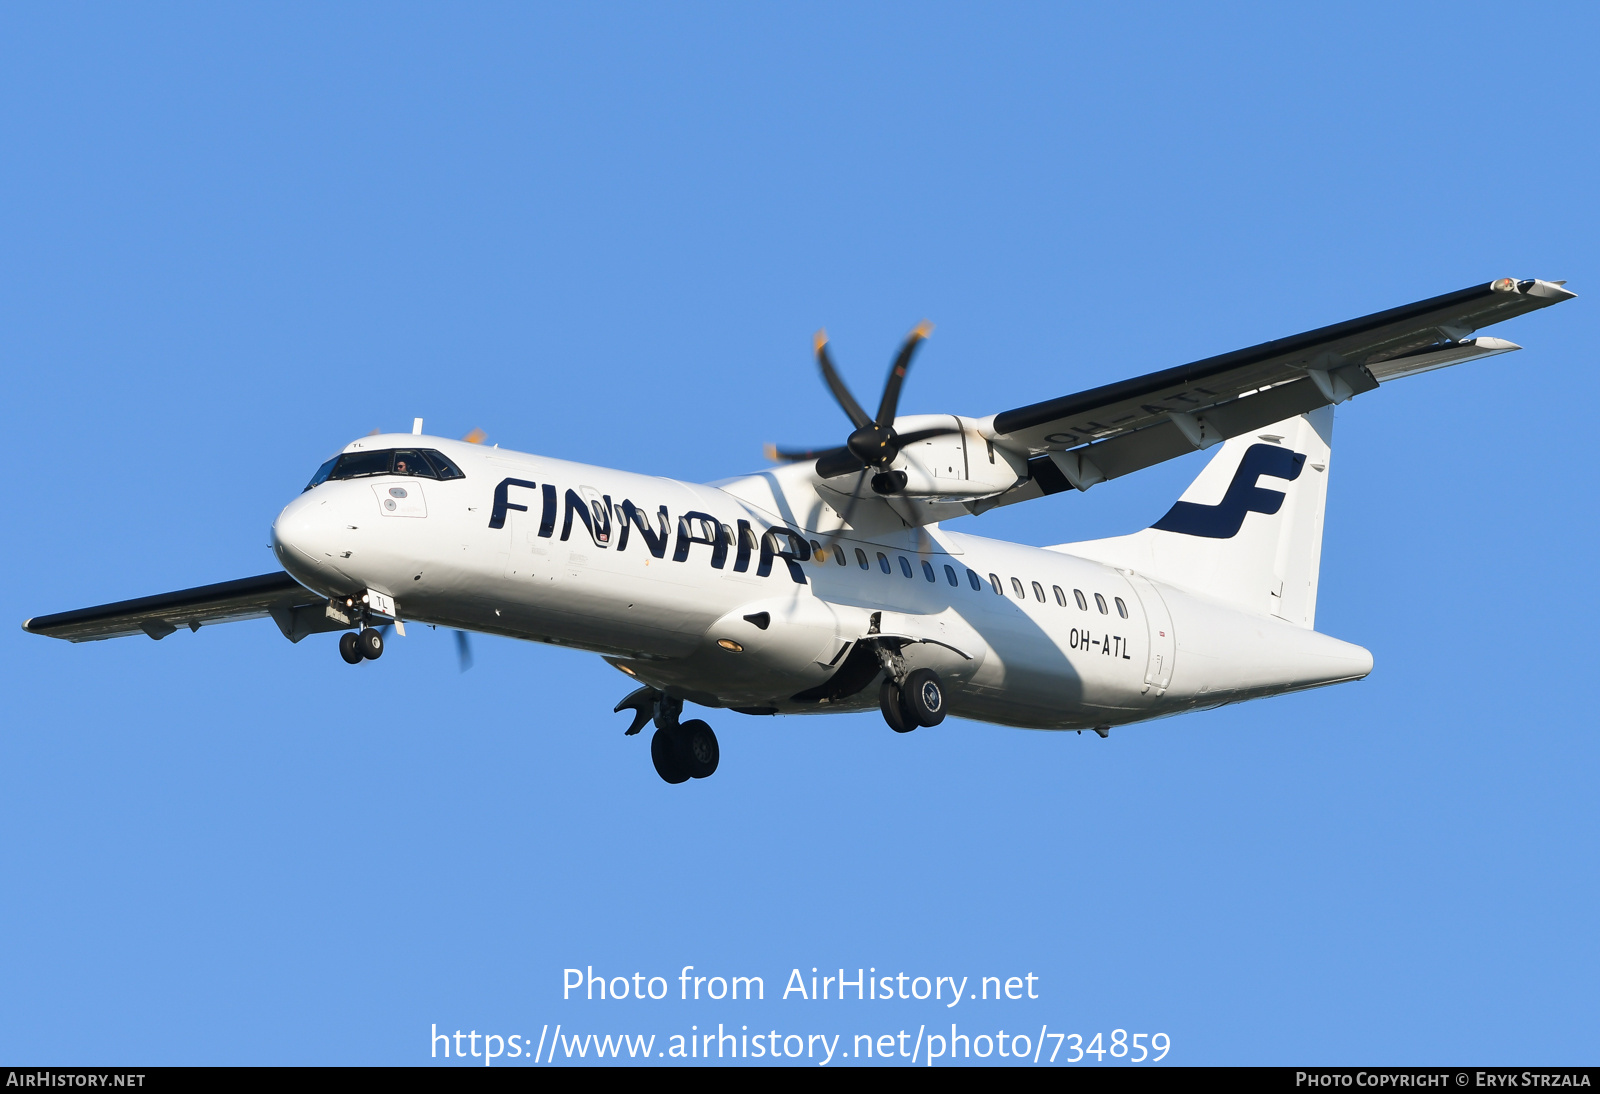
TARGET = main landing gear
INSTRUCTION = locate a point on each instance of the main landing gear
(680, 750)
(366, 646)
(909, 699)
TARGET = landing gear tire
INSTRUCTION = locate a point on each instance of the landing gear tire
(894, 710)
(923, 697)
(664, 753)
(697, 748)
(350, 648)
(371, 644)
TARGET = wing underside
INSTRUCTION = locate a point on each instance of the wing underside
(1106, 432)
(297, 611)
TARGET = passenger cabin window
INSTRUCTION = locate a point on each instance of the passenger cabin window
(1083, 605)
(1061, 597)
(1122, 609)
(1100, 602)
(861, 558)
(1038, 592)
(838, 555)
(883, 563)
(905, 566)
(975, 581)
(1016, 587)
(999, 589)
(927, 571)
(950, 576)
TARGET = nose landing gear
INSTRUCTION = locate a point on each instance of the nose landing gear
(350, 648)
(356, 648)
(680, 750)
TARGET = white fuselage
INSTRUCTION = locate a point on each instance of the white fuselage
(578, 555)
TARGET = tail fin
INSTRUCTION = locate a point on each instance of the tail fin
(1248, 531)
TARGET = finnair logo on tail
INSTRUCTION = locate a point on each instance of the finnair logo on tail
(1223, 520)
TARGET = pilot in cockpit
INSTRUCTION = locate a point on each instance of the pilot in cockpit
(400, 466)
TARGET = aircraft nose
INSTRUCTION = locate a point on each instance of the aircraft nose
(302, 536)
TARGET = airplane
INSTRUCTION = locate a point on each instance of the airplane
(829, 583)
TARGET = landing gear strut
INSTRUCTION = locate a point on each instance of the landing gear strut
(680, 750)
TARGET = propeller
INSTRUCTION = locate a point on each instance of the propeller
(873, 444)
(477, 436)
(463, 650)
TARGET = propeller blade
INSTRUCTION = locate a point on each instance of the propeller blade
(897, 374)
(463, 647)
(794, 455)
(375, 432)
(477, 436)
(838, 461)
(830, 376)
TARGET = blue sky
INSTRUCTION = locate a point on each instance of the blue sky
(232, 239)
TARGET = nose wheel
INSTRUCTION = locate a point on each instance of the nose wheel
(356, 648)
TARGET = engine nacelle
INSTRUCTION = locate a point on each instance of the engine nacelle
(958, 466)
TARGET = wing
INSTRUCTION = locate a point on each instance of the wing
(1079, 440)
(297, 611)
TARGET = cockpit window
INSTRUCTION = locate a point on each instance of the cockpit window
(322, 474)
(418, 463)
(356, 465)
(410, 462)
(441, 466)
